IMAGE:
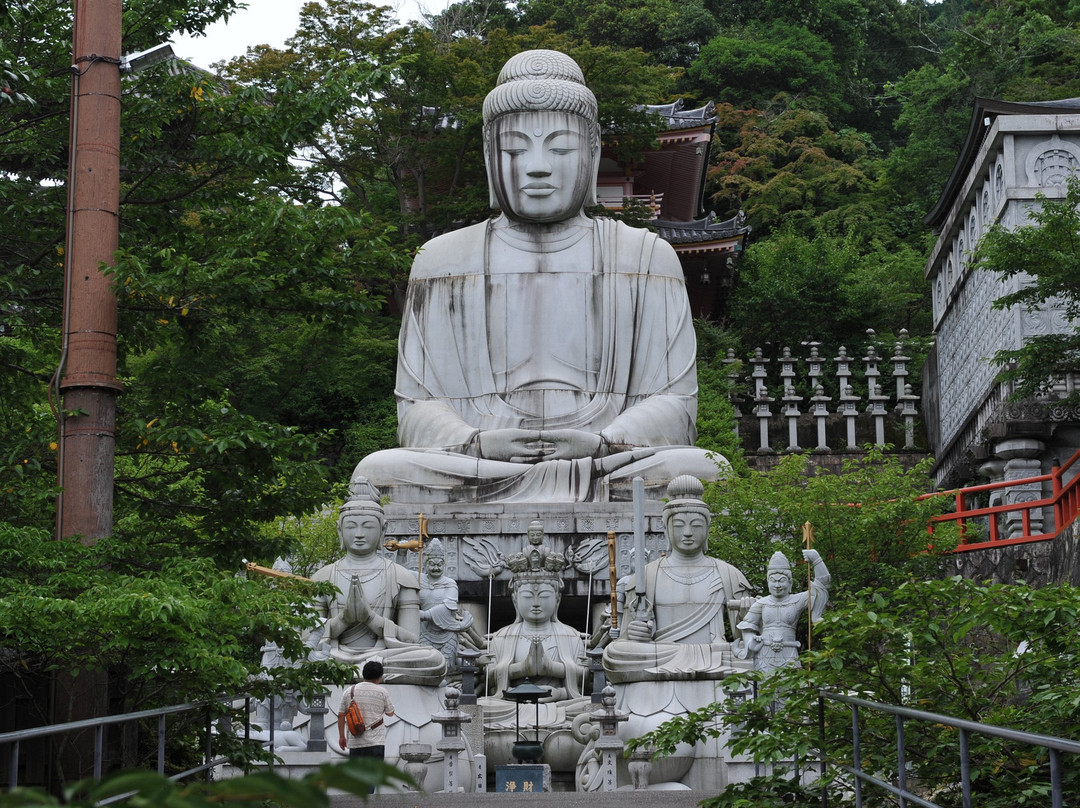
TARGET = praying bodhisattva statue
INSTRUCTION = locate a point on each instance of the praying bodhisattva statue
(544, 356)
(376, 613)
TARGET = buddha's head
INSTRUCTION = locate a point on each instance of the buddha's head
(536, 600)
(779, 576)
(535, 533)
(686, 516)
(541, 138)
(361, 521)
(537, 584)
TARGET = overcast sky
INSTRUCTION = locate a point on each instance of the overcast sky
(263, 22)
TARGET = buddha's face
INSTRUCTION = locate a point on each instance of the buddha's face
(360, 534)
(688, 531)
(541, 164)
(536, 602)
(779, 584)
(535, 534)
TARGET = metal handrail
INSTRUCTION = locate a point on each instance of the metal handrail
(1055, 747)
(15, 737)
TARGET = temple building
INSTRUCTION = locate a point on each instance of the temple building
(1013, 152)
(671, 180)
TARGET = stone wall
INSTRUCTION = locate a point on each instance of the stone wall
(1038, 564)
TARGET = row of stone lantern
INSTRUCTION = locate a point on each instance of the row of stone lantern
(849, 402)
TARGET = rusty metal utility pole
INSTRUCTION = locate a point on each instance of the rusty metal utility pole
(88, 383)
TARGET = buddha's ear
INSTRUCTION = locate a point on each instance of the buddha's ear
(493, 201)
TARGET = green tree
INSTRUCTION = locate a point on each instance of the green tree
(670, 33)
(869, 521)
(1022, 51)
(1041, 261)
(409, 149)
(231, 271)
(983, 652)
(749, 67)
(786, 165)
(827, 288)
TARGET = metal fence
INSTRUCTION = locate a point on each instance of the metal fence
(1056, 747)
(15, 739)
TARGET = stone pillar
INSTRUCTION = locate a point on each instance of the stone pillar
(877, 410)
(317, 709)
(848, 400)
(1021, 456)
(872, 373)
(609, 745)
(899, 368)
(815, 365)
(843, 369)
(907, 405)
(819, 408)
(452, 743)
(733, 379)
(763, 414)
(791, 412)
(759, 374)
(469, 668)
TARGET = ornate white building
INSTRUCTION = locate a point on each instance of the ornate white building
(1013, 152)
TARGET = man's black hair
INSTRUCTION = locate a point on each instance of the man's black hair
(372, 671)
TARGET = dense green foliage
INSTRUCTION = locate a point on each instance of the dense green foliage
(868, 521)
(1002, 655)
(258, 291)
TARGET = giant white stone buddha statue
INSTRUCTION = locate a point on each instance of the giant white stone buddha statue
(544, 356)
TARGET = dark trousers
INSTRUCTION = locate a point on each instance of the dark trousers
(368, 752)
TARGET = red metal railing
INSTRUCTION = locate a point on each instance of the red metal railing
(1064, 501)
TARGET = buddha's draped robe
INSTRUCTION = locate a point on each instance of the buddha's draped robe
(592, 333)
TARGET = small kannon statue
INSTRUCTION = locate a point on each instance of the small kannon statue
(539, 649)
(376, 613)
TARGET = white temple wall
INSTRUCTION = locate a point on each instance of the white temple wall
(1021, 156)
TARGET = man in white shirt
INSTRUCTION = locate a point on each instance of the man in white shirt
(375, 705)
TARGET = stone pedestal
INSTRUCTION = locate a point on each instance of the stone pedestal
(520, 778)
(415, 756)
(1021, 456)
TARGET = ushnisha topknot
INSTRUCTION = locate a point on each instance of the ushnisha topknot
(540, 80)
(779, 563)
(685, 493)
(363, 499)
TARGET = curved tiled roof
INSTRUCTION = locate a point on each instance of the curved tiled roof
(704, 229)
(679, 118)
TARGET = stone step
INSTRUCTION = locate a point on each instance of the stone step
(562, 799)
